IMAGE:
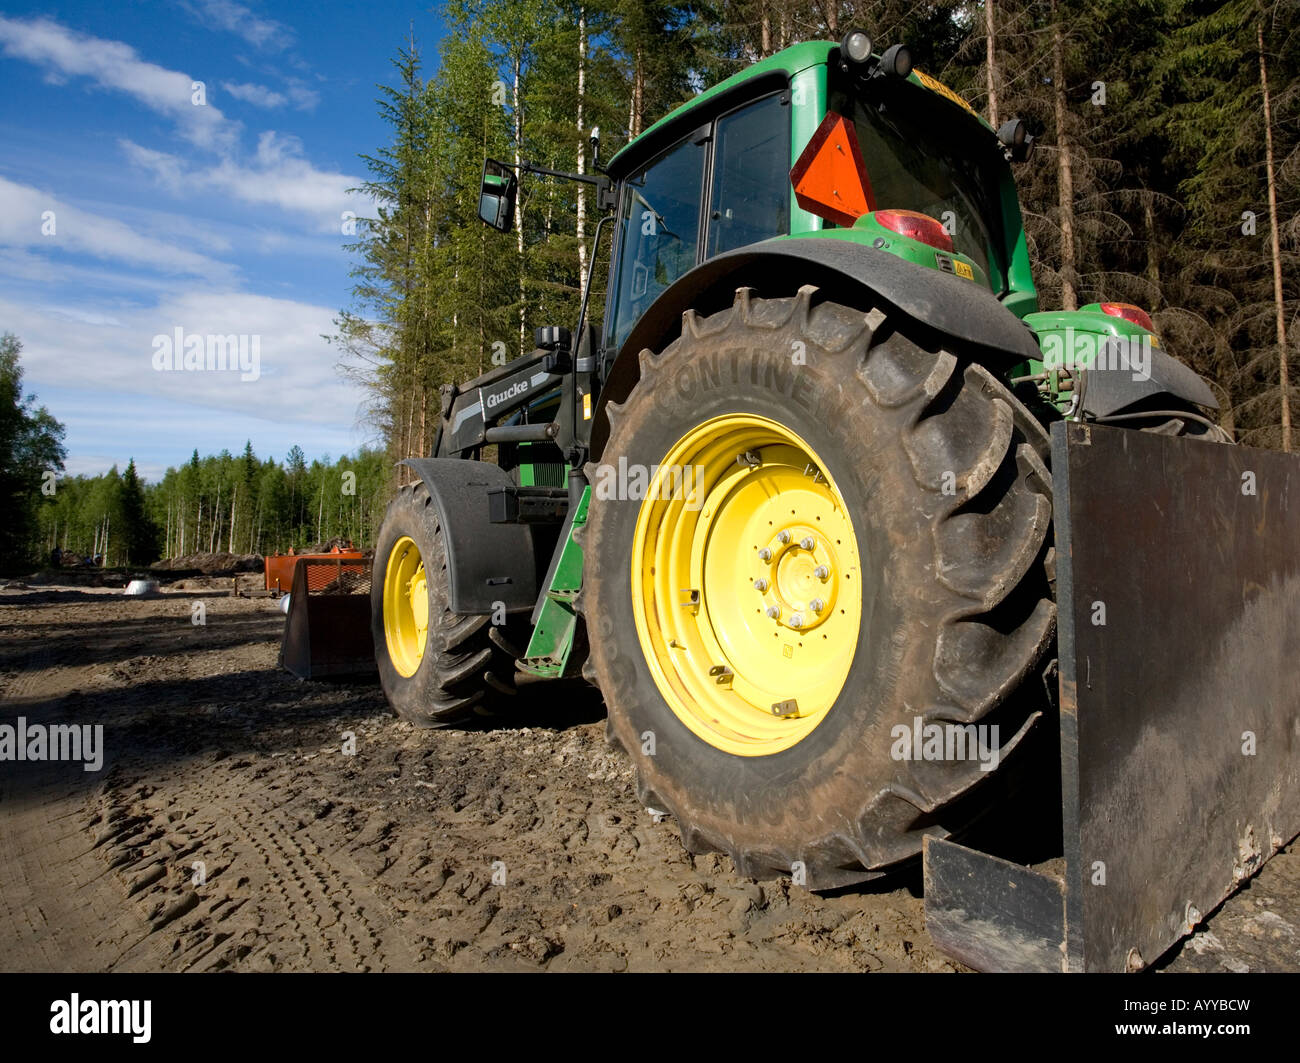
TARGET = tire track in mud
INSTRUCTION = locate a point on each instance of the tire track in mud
(269, 896)
(59, 909)
(516, 847)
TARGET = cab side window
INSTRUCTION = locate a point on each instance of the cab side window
(751, 176)
(659, 229)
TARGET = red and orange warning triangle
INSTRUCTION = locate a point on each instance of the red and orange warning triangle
(830, 179)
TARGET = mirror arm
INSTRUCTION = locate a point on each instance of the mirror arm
(586, 179)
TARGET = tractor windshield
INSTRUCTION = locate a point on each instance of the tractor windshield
(921, 156)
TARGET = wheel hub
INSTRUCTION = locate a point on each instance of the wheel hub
(406, 606)
(798, 576)
(748, 603)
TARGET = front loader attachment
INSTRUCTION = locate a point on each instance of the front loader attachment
(1179, 647)
(327, 631)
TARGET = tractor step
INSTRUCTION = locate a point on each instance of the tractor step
(527, 505)
(556, 617)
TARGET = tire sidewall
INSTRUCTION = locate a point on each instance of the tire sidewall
(768, 802)
(408, 515)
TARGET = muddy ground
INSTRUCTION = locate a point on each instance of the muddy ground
(312, 859)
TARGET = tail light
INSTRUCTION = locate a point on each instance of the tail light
(1129, 312)
(917, 226)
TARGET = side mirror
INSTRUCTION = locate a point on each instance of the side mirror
(496, 203)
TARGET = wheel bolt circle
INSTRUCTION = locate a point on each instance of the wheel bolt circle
(796, 621)
(760, 585)
(774, 611)
(783, 537)
(816, 605)
(822, 573)
(765, 554)
(807, 542)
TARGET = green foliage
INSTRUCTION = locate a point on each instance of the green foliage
(218, 503)
(31, 450)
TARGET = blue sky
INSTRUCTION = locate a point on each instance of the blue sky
(128, 211)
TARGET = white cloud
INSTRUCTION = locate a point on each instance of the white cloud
(65, 53)
(98, 464)
(296, 92)
(278, 176)
(24, 211)
(303, 98)
(257, 95)
(109, 349)
(235, 18)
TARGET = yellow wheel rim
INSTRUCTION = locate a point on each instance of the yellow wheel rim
(406, 607)
(746, 585)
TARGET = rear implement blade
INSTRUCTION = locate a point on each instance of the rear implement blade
(1179, 612)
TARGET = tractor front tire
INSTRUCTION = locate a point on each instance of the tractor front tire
(436, 667)
(855, 547)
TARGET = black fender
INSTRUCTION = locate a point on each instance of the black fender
(486, 563)
(1114, 390)
(852, 273)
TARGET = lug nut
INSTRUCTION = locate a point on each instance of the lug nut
(774, 611)
(783, 537)
(796, 620)
(765, 554)
(807, 542)
(816, 605)
(822, 573)
(760, 585)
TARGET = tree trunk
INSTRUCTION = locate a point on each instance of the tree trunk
(519, 203)
(424, 415)
(1284, 373)
(990, 63)
(1065, 177)
(582, 154)
(1153, 249)
(638, 94)
(216, 516)
(230, 547)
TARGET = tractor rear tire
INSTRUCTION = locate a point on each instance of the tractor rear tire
(454, 667)
(929, 501)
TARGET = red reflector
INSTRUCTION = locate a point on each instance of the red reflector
(917, 226)
(829, 178)
(1129, 312)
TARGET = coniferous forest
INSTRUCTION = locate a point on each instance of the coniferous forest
(1166, 173)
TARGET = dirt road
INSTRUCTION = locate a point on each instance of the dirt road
(243, 820)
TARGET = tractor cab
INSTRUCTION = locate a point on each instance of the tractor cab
(812, 142)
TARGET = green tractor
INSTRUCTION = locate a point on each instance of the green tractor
(790, 508)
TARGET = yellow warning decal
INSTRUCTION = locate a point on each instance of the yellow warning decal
(963, 270)
(586, 406)
(943, 90)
